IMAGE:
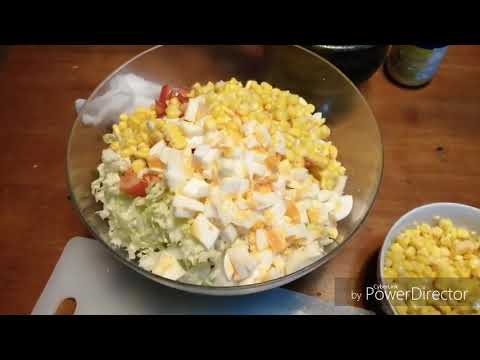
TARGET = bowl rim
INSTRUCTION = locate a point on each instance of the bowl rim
(345, 48)
(387, 242)
(240, 289)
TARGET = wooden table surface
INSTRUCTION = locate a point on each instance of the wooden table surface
(431, 139)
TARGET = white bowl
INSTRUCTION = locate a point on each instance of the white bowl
(461, 215)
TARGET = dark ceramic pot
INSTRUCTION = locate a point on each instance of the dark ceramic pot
(358, 62)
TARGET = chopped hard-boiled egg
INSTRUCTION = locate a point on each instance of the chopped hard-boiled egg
(195, 141)
(276, 239)
(242, 262)
(280, 185)
(245, 219)
(263, 136)
(303, 207)
(206, 154)
(204, 231)
(191, 130)
(261, 239)
(264, 201)
(184, 213)
(231, 168)
(167, 266)
(248, 179)
(298, 231)
(193, 108)
(229, 233)
(160, 151)
(343, 207)
(227, 266)
(183, 202)
(196, 188)
(265, 260)
(235, 185)
(303, 256)
(177, 172)
(341, 183)
(224, 208)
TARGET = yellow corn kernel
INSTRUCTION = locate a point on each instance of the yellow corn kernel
(293, 112)
(122, 125)
(143, 146)
(210, 124)
(324, 132)
(463, 234)
(317, 160)
(157, 136)
(397, 259)
(409, 266)
(403, 240)
(435, 251)
(333, 152)
(402, 310)
(236, 136)
(266, 86)
(310, 109)
(132, 122)
(175, 136)
(473, 262)
(437, 232)
(445, 224)
(173, 102)
(116, 131)
(281, 116)
(138, 165)
(464, 273)
(390, 273)
(295, 132)
(420, 246)
(173, 112)
(327, 183)
(433, 311)
(444, 251)
(396, 248)
(410, 252)
(293, 99)
(142, 154)
(143, 137)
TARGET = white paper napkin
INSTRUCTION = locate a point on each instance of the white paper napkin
(126, 93)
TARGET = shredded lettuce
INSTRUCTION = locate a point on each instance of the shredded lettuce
(145, 226)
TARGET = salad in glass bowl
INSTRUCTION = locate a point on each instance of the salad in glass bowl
(222, 184)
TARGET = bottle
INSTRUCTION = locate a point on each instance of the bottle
(414, 65)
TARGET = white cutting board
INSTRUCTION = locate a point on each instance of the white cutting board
(101, 285)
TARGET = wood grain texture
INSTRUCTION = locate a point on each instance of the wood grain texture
(431, 140)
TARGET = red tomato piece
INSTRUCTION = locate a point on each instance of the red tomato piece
(165, 94)
(132, 185)
(168, 93)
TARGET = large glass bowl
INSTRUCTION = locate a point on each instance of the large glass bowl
(354, 131)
